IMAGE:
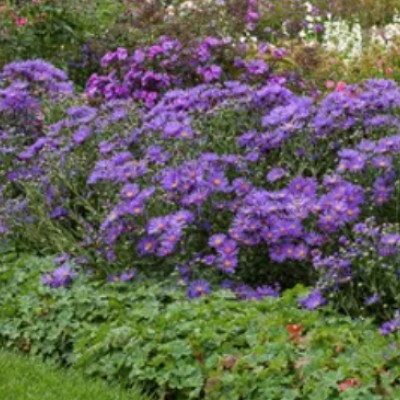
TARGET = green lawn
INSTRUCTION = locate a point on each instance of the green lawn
(27, 379)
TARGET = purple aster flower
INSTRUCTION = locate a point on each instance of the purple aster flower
(269, 291)
(275, 174)
(228, 248)
(392, 239)
(157, 225)
(59, 212)
(373, 299)
(48, 280)
(209, 259)
(319, 28)
(147, 245)
(80, 135)
(60, 277)
(157, 154)
(128, 275)
(257, 67)
(279, 53)
(277, 253)
(228, 264)
(313, 301)
(112, 278)
(382, 162)
(216, 241)
(300, 252)
(130, 191)
(62, 258)
(185, 272)
(218, 182)
(390, 326)
(198, 288)
(210, 73)
(253, 295)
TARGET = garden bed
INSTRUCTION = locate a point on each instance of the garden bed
(207, 217)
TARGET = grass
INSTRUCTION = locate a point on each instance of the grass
(28, 379)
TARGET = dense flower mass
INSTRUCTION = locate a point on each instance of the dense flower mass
(224, 170)
(147, 73)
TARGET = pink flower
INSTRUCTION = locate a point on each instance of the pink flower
(252, 16)
(341, 86)
(389, 71)
(330, 84)
(21, 21)
(349, 383)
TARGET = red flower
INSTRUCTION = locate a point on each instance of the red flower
(295, 331)
(348, 383)
(21, 21)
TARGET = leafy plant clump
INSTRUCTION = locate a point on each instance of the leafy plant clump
(214, 347)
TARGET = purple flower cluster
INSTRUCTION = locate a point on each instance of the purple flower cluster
(62, 276)
(313, 300)
(207, 175)
(165, 233)
(148, 72)
(252, 15)
(40, 76)
(365, 264)
(375, 159)
(246, 292)
(391, 326)
(24, 88)
(125, 276)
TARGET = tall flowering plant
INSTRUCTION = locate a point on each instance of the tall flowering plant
(227, 179)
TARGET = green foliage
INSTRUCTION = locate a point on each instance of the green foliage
(223, 349)
(55, 30)
(23, 378)
(211, 348)
(38, 320)
(74, 34)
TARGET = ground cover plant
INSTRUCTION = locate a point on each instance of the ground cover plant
(149, 334)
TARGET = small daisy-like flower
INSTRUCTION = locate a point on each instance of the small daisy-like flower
(313, 301)
(198, 288)
(217, 241)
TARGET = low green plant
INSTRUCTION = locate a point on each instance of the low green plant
(219, 348)
(215, 347)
